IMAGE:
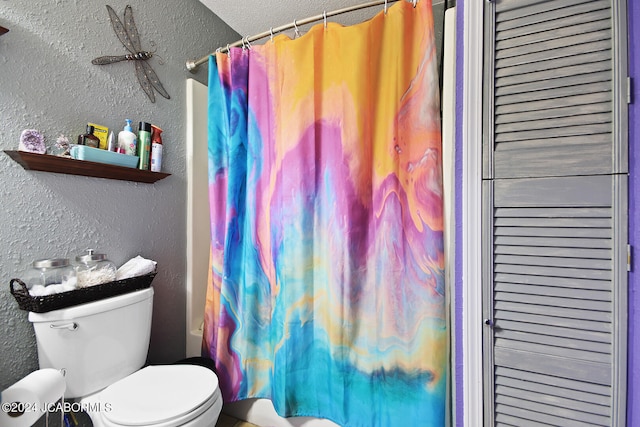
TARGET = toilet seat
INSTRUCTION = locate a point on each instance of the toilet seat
(160, 396)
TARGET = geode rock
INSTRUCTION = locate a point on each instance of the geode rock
(32, 141)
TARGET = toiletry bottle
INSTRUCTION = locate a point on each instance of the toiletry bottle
(156, 148)
(144, 145)
(122, 149)
(111, 143)
(89, 139)
(127, 140)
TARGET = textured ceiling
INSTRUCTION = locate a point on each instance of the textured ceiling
(250, 17)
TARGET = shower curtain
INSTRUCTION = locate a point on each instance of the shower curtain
(326, 291)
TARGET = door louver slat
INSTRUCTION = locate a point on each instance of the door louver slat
(553, 400)
(554, 385)
(553, 413)
(583, 371)
(553, 262)
(549, 330)
(554, 71)
(536, 52)
(522, 99)
(564, 322)
(552, 291)
(551, 311)
(516, 13)
(557, 82)
(553, 24)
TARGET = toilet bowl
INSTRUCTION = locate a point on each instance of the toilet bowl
(102, 347)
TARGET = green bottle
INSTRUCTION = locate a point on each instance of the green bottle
(144, 145)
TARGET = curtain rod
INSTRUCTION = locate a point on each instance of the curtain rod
(192, 65)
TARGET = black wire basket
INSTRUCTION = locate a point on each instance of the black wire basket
(45, 303)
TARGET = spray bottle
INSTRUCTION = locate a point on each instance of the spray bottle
(144, 145)
(156, 148)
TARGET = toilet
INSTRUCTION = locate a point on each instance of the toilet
(102, 348)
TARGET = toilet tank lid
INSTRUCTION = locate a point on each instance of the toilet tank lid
(91, 308)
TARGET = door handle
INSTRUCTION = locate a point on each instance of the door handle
(488, 322)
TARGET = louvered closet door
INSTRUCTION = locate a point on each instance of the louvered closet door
(554, 214)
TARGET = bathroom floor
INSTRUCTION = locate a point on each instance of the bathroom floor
(228, 421)
(83, 420)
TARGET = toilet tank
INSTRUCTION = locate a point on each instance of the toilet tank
(97, 343)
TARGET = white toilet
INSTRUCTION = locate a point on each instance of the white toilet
(102, 346)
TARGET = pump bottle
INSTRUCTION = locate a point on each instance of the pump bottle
(127, 140)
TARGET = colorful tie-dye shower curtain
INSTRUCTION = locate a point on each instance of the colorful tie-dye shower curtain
(327, 284)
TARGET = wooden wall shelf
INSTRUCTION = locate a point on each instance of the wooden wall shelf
(57, 164)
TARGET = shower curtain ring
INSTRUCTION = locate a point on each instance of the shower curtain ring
(415, 2)
(324, 14)
(271, 33)
(295, 26)
(246, 40)
(228, 48)
(385, 7)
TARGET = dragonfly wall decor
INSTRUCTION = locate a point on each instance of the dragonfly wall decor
(128, 35)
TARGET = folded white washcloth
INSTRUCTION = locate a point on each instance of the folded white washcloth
(137, 266)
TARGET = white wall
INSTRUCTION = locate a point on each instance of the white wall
(47, 82)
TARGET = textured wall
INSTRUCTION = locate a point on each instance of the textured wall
(47, 82)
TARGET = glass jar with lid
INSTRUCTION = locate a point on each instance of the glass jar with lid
(54, 271)
(94, 269)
